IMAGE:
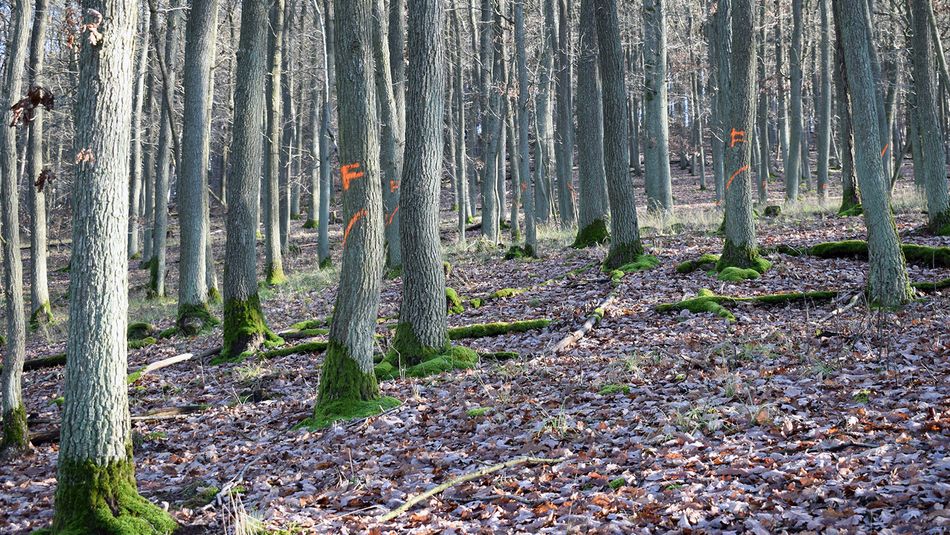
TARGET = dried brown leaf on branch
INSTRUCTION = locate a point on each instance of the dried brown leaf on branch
(24, 109)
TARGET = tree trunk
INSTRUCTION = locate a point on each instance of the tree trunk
(273, 257)
(824, 102)
(491, 48)
(781, 97)
(656, 121)
(793, 156)
(201, 33)
(149, 156)
(390, 136)
(458, 103)
(244, 325)
(40, 311)
(762, 116)
(625, 243)
(542, 156)
(524, 121)
(96, 490)
(15, 438)
(286, 132)
(326, 187)
(593, 204)
(887, 281)
(135, 165)
(422, 330)
(564, 139)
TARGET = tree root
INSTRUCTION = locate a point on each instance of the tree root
(165, 413)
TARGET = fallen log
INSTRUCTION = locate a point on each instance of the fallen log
(165, 413)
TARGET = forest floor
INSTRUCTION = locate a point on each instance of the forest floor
(791, 418)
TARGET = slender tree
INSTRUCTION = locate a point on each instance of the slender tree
(564, 138)
(458, 109)
(96, 491)
(656, 120)
(326, 24)
(887, 280)
(793, 156)
(824, 100)
(244, 325)
(492, 81)
(625, 243)
(390, 135)
(531, 236)
(201, 33)
(15, 438)
(136, 171)
(273, 257)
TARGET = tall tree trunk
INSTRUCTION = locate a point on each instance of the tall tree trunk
(593, 203)
(316, 100)
(793, 159)
(458, 103)
(326, 185)
(824, 101)
(887, 281)
(149, 156)
(656, 121)
(397, 64)
(625, 243)
(565, 118)
(15, 438)
(542, 112)
(781, 97)
(40, 311)
(135, 165)
(244, 325)
(524, 121)
(762, 115)
(390, 136)
(348, 384)
(491, 48)
(96, 490)
(933, 168)
(273, 257)
(740, 248)
(286, 132)
(718, 43)
(850, 200)
(163, 174)
(422, 330)
(201, 35)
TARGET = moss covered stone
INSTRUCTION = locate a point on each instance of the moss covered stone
(139, 330)
(452, 302)
(734, 274)
(15, 438)
(484, 330)
(194, 319)
(595, 233)
(690, 266)
(93, 498)
(244, 329)
(43, 315)
(432, 363)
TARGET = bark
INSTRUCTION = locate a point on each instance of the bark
(326, 24)
(887, 281)
(656, 120)
(592, 202)
(96, 472)
(244, 327)
(762, 116)
(40, 311)
(397, 63)
(780, 96)
(564, 139)
(149, 175)
(14, 438)
(458, 110)
(193, 213)
(793, 156)
(531, 236)
(422, 327)
(287, 133)
(491, 115)
(135, 165)
(625, 243)
(824, 101)
(542, 156)
(273, 256)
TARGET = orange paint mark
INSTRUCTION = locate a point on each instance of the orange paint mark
(736, 136)
(884, 150)
(734, 175)
(350, 174)
(524, 187)
(356, 217)
(393, 186)
(389, 220)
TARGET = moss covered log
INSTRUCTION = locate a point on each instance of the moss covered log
(308, 347)
(707, 301)
(484, 330)
(920, 255)
(92, 498)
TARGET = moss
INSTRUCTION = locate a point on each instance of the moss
(505, 293)
(470, 220)
(734, 274)
(312, 332)
(326, 263)
(478, 411)
(840, 249)
(641, 263)
(850, 210)
(308, 347)
(452, 301)
(214, 296)
(309, 324)
(134, 376)
(617, 483)
(152, 267)
(144, 342)
(274, 276)
(244, 329)
(92, 498)
(138, 331)
(483, 330)
(15, 438)
(773, 210)
(194, 319)
(690, 266)
(741, 256)
(607, 390)
(476, 302)
(43, 315)
(923, 255)
(931, 286)
(431, 363)
(499, 355)
(593, 234)
(622, 254)
(516, 252)
(59, 401)
(707, 301)
(170, 332)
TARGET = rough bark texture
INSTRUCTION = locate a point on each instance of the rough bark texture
(491, 120)
(793, 157)
(96, 479)
(273, 257)
(193, 313)
(148, 158)
(850, 201)
(458, 110)
(244, 328)
(887, 280)
(135, 164)
(422, 329)
(625, 243)
(933, 157)
(531, 235)
(824, 100)
(390, 135)
(592, 203)
(656, 121)
(565, 119)
(14, 439)
(347, 375)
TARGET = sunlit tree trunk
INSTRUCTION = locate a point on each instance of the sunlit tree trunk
(390, 136)
(524, 122)
(824, 101)
(656, 121)
(270, 201)
(135, 164)
(793, 155)
(564, 139)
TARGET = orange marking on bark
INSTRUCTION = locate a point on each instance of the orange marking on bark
(734, 175)
(356, 217)
(389, 220)
(884, 150)
(524, 187)
(393, 186)
(736, 136)
(350, 174)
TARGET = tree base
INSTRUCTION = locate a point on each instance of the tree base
(275, 276)
(642, 263)
(425, 363)
(690, 266)
(593, 234)
(743, 257)
(311, 224)
(622, 254)
(195, 319)
(245, 330)
(41, 316)
(15, 440)
(850, 210)
(939, 224)
(104, 499)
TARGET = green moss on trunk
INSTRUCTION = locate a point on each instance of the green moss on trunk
(744, 257)
(43, 315)
(483, 330)
(346, 391)
(593, 234)
(275, 276)
(15, 439)
(214, 296)
(244, 329)
(152, 266)
(99, 499)
(432, 362)
(195, 319)
(139, 331)
(311, 224)
(850, 209)
(453, 302)
(622, 254)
